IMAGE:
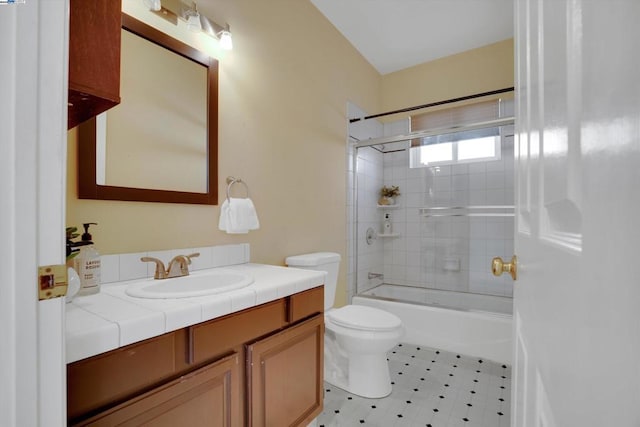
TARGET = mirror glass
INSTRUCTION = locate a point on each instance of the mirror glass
(156, 138)
(160, 143)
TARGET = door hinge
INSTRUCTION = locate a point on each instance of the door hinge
(52, 281)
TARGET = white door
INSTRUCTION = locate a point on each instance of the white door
(33, 76)
(577, 297)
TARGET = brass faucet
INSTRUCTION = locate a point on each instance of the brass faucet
(178, 266)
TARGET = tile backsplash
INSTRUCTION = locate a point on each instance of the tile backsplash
(122, 267)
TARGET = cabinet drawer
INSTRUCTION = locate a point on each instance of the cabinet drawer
(207, 397)
(101, 380)
(217, 337)
(305, 304)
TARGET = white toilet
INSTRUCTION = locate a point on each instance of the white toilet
(357, 338)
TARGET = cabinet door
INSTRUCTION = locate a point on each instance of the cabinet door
(207, 397)
(94, 58)
(285, 374)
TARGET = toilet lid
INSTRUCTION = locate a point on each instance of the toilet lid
(364, 318)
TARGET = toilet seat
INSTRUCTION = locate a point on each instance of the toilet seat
(364, 318)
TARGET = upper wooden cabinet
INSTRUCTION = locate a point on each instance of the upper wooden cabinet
(94, 58)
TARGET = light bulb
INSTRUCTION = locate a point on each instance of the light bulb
(226, 42)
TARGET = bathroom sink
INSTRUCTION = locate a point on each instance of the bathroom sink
(196, 284)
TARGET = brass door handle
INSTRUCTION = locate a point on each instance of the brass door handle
(498, 267)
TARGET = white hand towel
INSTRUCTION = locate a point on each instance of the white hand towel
(238, 216)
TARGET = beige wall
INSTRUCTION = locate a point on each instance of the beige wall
(474, 71)
(283, 95)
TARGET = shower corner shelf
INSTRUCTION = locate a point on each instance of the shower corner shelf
(388, 206)
(389, 235)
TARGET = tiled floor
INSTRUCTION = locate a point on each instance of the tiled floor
(430, 388)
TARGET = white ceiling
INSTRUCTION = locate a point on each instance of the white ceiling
(396, 34)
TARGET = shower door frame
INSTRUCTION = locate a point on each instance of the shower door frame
(354, 252)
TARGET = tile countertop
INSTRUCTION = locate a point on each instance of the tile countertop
(112, 319)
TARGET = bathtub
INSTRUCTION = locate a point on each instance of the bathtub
(470, 324)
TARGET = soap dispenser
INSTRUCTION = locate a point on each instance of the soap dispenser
(386, 224)
(87, 264)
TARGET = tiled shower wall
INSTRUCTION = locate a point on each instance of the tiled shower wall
(450, 252)
(425, 245)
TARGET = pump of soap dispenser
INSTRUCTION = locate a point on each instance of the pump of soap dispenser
(86, 237)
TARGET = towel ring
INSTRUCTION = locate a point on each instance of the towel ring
(231, 180)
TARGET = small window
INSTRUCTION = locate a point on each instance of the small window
(476, 149)
(437, 153)
(462, 147)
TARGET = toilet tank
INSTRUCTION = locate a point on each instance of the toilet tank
(320, 261)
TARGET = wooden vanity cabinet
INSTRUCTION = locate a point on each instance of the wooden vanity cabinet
(94, 58)
(258, 367)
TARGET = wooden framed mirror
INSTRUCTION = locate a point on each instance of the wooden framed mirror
(143, 152)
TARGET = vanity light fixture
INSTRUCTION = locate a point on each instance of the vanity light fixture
(196, 21)
(206, 25)
(226, 42)
(193, 21)
(157, 8)
(223, 34)
(154, 5)
(189, 12)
